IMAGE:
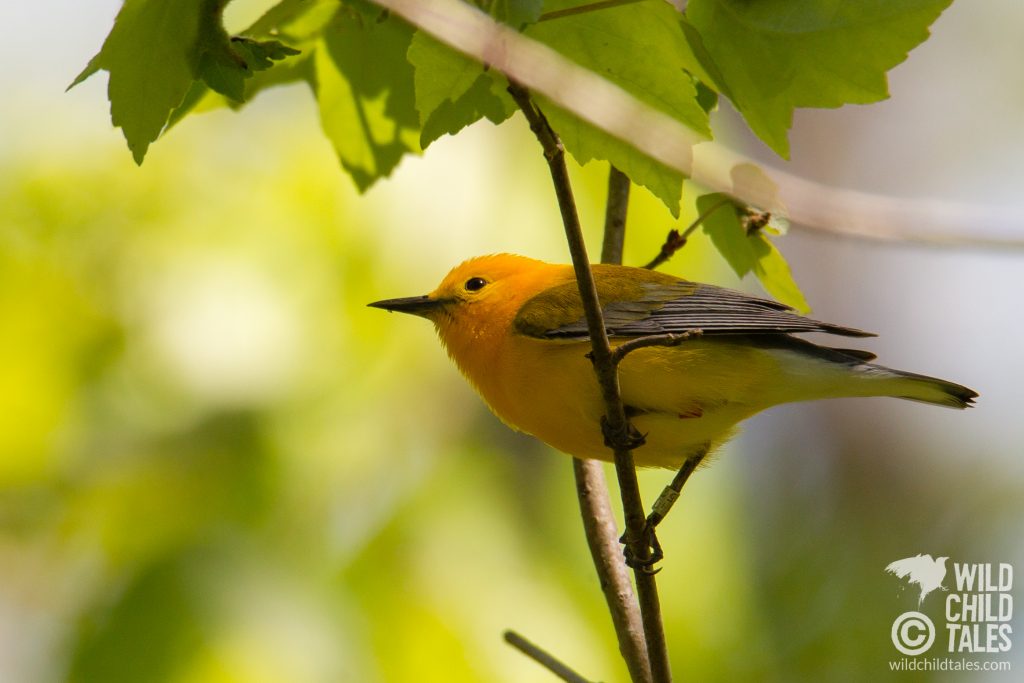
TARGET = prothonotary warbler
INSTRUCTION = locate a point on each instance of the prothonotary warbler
(515, 327)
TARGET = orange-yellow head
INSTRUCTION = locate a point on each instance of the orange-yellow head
(477, 301)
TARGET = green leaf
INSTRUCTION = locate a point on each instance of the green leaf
(197, 95)
(703, 67)
(706, 97)
(640, 47)
(224, 72)
(367, 11)
(441, 73)
(297, 21)
(151, 57)
(776, 55)
(92, 67)
(587, 143)
(722, 224)
(773, 273)
(748, 252)
(225, 66)
(452, 90)
(260, 55)
(200, 98)
(517, 13)
(478, 102)
(369, 114)
(294, 21)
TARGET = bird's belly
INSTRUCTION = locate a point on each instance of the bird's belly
(551, 392)
(669, 439)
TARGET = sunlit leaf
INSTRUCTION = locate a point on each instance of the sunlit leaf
(776, 55)
(151, 57)
(773, 273)
(517, 13)
(640, 47)
(478, 102)
(587, 143)
(748, 252)
(441, 73)
(369, 114)
(452, 90)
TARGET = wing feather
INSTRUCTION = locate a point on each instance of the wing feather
(667, 305)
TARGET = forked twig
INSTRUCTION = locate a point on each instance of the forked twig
(676, 240)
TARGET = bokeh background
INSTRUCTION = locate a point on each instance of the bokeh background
(216, 464)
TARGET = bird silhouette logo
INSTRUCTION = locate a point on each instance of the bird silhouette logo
(926, 572)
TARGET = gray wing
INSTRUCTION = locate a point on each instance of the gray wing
(710, 309)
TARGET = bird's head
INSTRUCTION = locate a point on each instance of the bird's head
(482, 294)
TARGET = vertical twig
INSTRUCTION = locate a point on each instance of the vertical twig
(592, 489)
(603, 540)
(615, 217)
(618, 430)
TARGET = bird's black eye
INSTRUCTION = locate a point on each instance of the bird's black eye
(475, 284)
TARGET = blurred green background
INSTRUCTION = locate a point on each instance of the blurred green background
(216, 464)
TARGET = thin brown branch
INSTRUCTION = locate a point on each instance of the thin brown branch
(808, 205)
(615, 216)
(603, 540)
(592, 490)
(583, 9)
(676, 240)
(544, 658)
(619, 433)
(670, 339)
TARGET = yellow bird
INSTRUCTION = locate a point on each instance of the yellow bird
(515, 327)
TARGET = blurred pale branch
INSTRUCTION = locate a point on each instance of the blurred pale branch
(810, 205)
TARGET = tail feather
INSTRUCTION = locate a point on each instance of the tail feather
(914, 387)
(850, 374)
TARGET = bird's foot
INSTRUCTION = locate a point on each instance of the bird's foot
(627, 438)
(652, 552)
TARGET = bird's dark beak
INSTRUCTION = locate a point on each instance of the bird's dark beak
(417, 305)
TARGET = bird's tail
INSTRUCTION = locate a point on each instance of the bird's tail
(914, 387)
(834, 373)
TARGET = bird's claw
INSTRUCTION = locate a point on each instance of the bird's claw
(652, 551)
(627, 438)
